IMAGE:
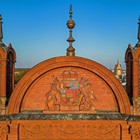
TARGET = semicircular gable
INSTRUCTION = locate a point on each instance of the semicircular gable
(69, 84)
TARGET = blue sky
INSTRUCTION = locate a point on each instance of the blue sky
(37, 29)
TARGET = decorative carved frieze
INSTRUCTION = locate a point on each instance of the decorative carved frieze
(36, 131)
(69, 131)
(104, 132)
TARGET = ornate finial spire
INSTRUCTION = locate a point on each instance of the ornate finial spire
(70, 25)
(1, 34)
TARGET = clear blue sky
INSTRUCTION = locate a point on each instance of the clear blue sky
(37, 29)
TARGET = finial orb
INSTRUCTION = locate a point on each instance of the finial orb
(70, 24)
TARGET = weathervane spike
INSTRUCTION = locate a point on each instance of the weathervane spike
(70, 12)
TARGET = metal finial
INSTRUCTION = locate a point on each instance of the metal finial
(1, 33)
(70, 25)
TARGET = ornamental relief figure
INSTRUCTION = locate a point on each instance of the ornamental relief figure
(70, 93)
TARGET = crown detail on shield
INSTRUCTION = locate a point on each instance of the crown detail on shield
(71, 74)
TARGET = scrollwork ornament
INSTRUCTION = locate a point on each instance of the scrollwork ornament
(33, 131)
(104, 131)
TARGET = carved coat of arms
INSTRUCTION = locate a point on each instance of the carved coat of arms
(70, 93)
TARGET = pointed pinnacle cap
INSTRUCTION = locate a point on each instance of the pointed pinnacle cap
(10, 45)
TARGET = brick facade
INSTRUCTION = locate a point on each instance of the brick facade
(29, 97)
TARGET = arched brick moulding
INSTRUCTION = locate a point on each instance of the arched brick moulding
(65, 61)
(129, 50)
(11, 59)
(129, 72)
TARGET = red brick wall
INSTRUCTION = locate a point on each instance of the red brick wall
(136, 72)
(2, 72)
(2, 80)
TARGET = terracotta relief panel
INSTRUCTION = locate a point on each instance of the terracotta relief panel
(70, 90)
(35, 131)
(70, 131)
(103, 132)
(70, 93)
